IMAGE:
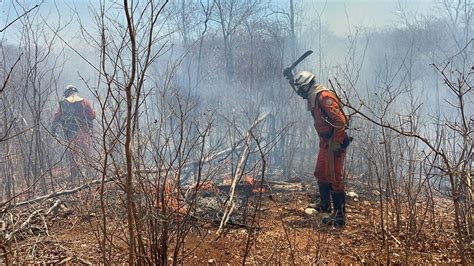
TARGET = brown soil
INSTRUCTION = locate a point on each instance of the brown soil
(284, 234)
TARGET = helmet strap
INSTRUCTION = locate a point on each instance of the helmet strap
(301, 92)
(304, 92)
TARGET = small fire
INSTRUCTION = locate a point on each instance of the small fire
(250, 180)
(259, 190)
(208, 186)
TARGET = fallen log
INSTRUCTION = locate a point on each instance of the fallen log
(55, 206)
(285, 186)
(63, 192)
(77, 189)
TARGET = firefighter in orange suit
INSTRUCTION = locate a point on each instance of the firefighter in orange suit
(75, 117)
(330, 123)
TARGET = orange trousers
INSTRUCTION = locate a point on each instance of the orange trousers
(79, 150)
(322, 171)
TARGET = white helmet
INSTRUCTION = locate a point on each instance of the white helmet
(70, 89)
(304, 78)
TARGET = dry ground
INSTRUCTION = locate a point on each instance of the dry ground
(285, 234)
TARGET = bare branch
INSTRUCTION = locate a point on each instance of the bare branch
(24, 14)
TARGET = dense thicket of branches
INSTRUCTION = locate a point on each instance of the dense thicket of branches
(175, 83)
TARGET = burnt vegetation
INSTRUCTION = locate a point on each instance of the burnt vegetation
(201, 151)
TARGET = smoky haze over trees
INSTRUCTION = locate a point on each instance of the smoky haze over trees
(192, 91)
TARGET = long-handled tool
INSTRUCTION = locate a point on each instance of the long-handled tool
(288, 72)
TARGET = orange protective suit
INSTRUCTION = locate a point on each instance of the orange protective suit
(75, 116)
(329, 122)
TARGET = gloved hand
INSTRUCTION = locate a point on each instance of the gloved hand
(288, 74)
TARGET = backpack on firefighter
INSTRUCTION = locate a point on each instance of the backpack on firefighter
(73, 114)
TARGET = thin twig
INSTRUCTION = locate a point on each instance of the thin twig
(9, 24)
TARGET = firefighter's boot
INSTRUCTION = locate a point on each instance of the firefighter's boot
(325, 198)
(338, 217)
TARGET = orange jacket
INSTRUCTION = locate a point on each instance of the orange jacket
(329, 120)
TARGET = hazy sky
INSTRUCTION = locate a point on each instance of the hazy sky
(335, 14)
(367, 13)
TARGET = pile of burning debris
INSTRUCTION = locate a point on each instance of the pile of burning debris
(214, 198)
